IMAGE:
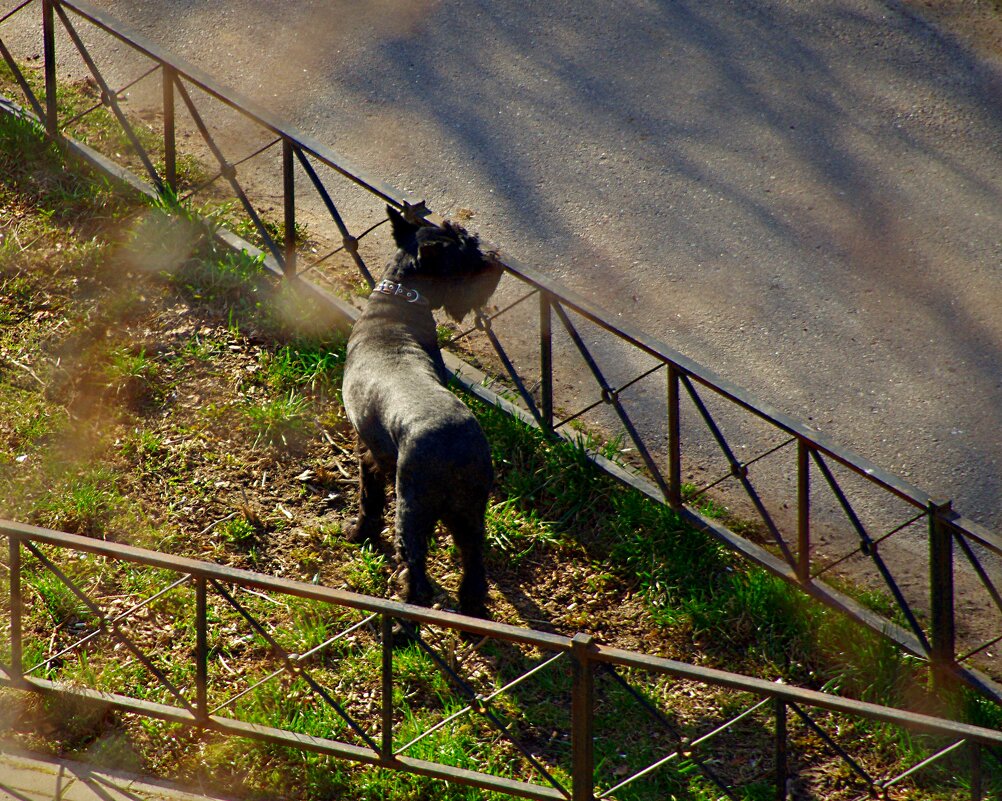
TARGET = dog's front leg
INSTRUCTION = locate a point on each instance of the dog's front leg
(372, 499)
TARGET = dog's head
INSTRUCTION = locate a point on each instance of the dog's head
(444, 264)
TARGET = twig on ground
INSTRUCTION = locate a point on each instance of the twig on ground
(28, 370)
(211, 526)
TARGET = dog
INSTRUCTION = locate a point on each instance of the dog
(411, 429)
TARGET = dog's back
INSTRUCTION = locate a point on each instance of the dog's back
(395, 396)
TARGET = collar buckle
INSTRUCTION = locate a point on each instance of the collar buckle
(396, 290)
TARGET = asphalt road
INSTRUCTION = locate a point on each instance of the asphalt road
(804, 196)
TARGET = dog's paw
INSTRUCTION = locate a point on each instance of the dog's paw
(359, 533)
(405, 633)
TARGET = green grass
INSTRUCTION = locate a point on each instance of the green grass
(279, 421)
(238, 531)
(311, 365)
(366, 572)
(81, 503)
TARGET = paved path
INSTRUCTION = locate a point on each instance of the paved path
(29, 777)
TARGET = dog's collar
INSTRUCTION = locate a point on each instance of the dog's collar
(400, 291)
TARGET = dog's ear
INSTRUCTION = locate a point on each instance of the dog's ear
(403, 231)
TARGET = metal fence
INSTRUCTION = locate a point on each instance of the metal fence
(163, 628)
(791, 479)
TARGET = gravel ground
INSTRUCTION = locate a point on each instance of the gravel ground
(803, 196)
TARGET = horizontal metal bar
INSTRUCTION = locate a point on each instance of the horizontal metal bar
(171, 714)
(796, 695)
(298, 589)
(974, 531)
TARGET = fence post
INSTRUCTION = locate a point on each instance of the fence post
(941, 586)
(16, 643)
(803, 512)
(167, 76)
(546, 360)
(977, 788)
(289, 204)
(674, 441)
(201, 651)
(582, 719)
(49, 52)
(387, 693)
(781, 741)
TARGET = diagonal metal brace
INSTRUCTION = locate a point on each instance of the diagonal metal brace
(665, 723)
(292, 667)
(472, 695)
(22, 81)
(871, 551)
(111, 626)
(739, 470)
(228, 171)
(111, 97)
(350, 242)
(611, 396)
(830, 742)
(530, 402)
(119, 617)
(479, 702)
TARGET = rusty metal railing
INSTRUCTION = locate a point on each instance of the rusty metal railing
(179, 674)
(705, 417)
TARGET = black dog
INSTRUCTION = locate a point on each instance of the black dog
(410, 427)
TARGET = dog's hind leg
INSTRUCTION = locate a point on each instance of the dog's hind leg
(415, 527)
(467, 527)
(372, 499)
